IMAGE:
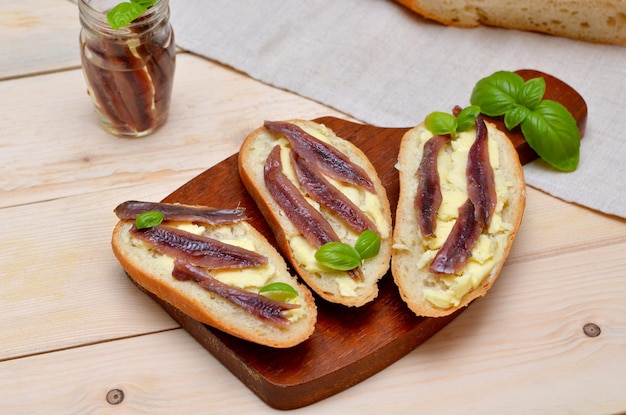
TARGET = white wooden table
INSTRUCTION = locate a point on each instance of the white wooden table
(73, 327)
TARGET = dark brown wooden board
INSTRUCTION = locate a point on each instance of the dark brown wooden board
(349, 344)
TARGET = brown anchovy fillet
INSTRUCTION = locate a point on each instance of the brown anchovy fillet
(428, 198)
(255, 304)
(103, 86)
(481, 186)
(159, 52)
(161, 67)
(198, 250)
(328, 159)
(131, 78)
(323, 192)
(311, 224)
(304, 217)
(181, 213)
(457, 248)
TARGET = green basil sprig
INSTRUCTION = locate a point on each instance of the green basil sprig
(548, 127)
(440, 123)
(125, 13)
(343, 257)
(148, 219)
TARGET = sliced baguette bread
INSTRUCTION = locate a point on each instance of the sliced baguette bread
(587, 20)
(153, 271)
(435, 294)
(334, 286)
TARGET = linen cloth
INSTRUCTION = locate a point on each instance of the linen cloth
(384, 65)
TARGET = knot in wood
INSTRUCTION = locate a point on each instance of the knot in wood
(591, 330)
(115, 396)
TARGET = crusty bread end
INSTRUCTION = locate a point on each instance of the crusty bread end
(587, 20)
(333, 286)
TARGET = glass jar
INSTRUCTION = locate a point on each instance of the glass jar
(129, 71)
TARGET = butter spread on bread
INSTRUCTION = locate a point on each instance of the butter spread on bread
(267, 159)
(213, 270)
(435, 291)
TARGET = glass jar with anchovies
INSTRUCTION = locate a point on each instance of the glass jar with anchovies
(129, 70)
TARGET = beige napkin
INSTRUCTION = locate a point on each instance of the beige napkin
(380, 63)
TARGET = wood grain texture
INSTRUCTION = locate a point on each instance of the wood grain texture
(349, 344)
(43, 36)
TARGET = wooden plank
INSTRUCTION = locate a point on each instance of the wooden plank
(60, 285)
(500, 356)
(38, 36)
(551, 226)
(213, 109)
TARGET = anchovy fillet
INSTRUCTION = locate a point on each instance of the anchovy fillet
(254, 304)
(428, 197)
(323, 192)
(457, 248)
(328, 159)
(481, 186)
(183, 213)
(199, 250)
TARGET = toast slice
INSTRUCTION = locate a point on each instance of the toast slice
(153, 269)
(435, 294)
(336, 286)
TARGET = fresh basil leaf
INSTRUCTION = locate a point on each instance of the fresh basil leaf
(279, 291)
(145, 3)
(148, 219)
(497, 93)
(547, 126)
(278, 286)
(467, 118)
(124, 13)
(440, 123)
(532, 92)
(338, 256)
(552, 132)
(367, 244)
(515, 116)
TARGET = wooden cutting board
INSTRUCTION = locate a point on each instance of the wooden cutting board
(349, 344)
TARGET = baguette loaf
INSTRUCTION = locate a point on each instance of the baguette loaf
(437, 294)
(152, 270)
(334, 286)
(588, 20)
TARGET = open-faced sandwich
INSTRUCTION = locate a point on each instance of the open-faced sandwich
(462, 196)
(214, 266)
(325, 204)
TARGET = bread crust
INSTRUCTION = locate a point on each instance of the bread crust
(252, 156)
(153, 272)
(595, 21)
(408, 247)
